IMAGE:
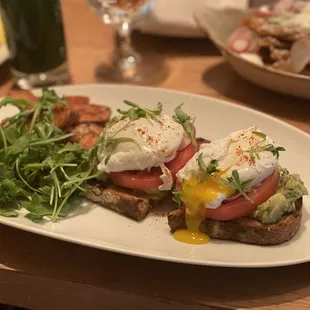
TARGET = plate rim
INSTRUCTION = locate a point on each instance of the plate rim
(139, 253)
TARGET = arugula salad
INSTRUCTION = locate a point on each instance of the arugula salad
(40, 170)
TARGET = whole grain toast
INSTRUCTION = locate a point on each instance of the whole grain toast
(135, 205)
(120, 199)
(245, 229)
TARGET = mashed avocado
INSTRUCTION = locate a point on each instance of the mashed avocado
(291, 187)
(155, 194)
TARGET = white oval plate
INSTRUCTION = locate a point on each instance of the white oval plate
(97, 227)
(219, 24)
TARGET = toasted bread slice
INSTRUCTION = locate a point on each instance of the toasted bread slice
(120, 199)
(245, 229)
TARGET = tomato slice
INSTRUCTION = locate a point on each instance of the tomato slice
(181, 159)
(241, 206)
(137, 179)
(145, 180)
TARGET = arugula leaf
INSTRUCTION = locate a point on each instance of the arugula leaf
(3, 141)
(186, 121)
(70, 147)
(20, 144)
(21, 104)
(8, 212)
(11, 134)
(36, 208)
(8, 191)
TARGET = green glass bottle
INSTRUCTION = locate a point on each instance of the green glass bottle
(36, 41)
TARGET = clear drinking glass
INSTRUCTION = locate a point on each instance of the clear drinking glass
(126, 64)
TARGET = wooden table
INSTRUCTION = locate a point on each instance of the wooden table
(41, 273)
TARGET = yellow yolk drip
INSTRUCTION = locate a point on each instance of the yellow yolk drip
(195, 194)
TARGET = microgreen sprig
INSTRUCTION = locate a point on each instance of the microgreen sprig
(232, 181)
(211, 168)
(261, 147)
(186, 121)
(136, 112)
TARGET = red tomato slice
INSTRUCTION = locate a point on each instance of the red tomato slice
(181, 159)
(243, 207)
(137, 179)
(145, 180)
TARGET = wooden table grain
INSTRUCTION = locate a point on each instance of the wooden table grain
(41, 273)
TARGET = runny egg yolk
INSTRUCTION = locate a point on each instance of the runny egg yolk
(195, 195)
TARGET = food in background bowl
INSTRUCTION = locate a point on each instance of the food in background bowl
(276, 35)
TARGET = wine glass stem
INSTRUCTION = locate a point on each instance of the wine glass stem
(123, 38)
(125, 57)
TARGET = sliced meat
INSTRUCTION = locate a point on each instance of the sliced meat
(86, 134)
(88, 113)
(23, 94)
(64, 118)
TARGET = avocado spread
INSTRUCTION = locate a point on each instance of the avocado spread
(290, 188)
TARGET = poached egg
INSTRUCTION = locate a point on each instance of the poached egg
(144, 143)
(246, 151)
